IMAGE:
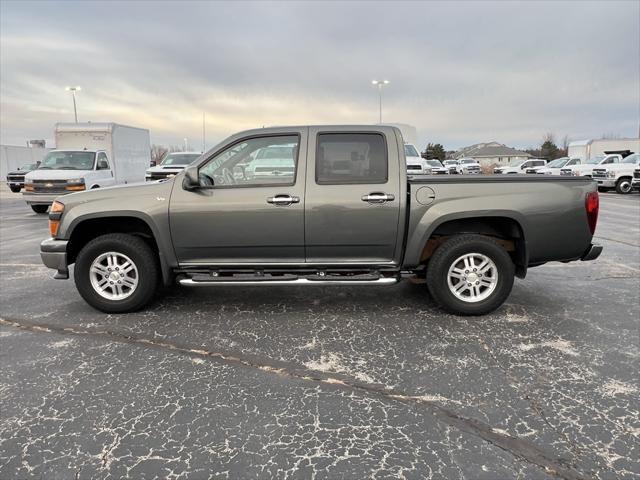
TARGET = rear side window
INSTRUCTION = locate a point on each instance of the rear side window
(351, 158)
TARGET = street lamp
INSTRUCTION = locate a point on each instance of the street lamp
(380, 84)
(73, 91)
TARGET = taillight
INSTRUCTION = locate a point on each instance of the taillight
(592, 205)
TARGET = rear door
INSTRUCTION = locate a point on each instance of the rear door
(353, 196)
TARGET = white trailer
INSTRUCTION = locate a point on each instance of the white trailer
(87, 156)
(586, 149)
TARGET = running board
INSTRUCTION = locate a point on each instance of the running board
(190, 282)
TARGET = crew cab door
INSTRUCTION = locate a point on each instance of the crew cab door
(354, 196)
(252, 214)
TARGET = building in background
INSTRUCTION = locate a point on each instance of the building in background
(585, 149)
(13, 156)
(491, 153)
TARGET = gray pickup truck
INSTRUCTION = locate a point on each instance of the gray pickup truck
(336, 208)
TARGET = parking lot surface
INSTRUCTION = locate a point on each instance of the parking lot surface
(323, 382)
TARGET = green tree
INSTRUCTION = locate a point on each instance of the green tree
(434, 151)
(549, 149)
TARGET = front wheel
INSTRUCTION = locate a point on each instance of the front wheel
(40, 208)
(624, 186)
(15, 188)
(116, 273)
(470, 275)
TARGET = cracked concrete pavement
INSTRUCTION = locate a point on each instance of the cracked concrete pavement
(323, 382)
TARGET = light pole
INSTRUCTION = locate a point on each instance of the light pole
(380, 84)
(73, 91)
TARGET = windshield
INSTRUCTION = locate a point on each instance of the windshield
(29, 166)
(632, 158)
(517, 163)
(179, 158)
(410, 151)
(558, 162)
(595, 160)
(68, 161)
(434, 163)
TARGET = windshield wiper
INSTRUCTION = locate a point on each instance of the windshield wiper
(67, 168)
(43, 168)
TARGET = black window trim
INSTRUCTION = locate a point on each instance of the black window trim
(251, 137)
(351, 182)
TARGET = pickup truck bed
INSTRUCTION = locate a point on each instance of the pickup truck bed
(336, 207)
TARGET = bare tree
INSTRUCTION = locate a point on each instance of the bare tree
(157, 153)
(549, 137)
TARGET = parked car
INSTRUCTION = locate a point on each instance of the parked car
(416, 165)
(522, 166)
(468, 166)
(554, 166)
(452, 166)
(88, 156)
(171, 164)
(15, 179)
(270, 162)
(617, 175)
(586, 169)
(369, 224)
(437, 168)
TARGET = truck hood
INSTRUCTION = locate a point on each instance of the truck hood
(166, 168)
(120, 194)
(617, 167)
(56, 174)
(414, 160)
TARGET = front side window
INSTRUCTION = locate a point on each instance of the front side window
(255, 162)
(410, 150)
(103, 162)
(351, 158)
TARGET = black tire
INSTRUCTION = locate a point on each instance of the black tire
(448, 253)
(603, 189)
(623, 186)
(40, 208)
(15, 189)
(144, 259)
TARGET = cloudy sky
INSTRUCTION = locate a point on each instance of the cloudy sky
(461, 72)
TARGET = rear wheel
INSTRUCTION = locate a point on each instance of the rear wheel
(40, 208)
(470, 275)
(624, 186)
(116, 273)
(14, 188)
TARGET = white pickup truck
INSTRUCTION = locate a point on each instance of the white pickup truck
(618, 175)
(554, 167)
(586, 169)
(468, 166)
(522, 166)
(416, 165)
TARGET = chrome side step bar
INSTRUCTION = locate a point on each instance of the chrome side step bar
(189, 282)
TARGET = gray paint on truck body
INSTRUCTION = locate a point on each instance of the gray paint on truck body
(332, 226)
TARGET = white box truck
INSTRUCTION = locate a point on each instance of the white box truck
(586, 149)
(88, 155)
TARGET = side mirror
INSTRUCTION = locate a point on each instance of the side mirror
(190, 181)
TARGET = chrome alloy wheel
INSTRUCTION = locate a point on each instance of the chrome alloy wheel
(472, 277)
(113, 276)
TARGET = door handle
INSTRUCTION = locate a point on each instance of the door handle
(378, 197)
(283, 200)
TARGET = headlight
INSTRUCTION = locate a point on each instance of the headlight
(28, 181)
(75, 185)
(75, 181)
(611, 174)
(575, 173)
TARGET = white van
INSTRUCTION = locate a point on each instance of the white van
(88, 155)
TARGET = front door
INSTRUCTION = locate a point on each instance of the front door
(353, 197)
(255, 212)
(104, 171)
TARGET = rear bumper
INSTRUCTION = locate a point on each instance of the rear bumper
(591, 253)
(40, 198)
(53, 253)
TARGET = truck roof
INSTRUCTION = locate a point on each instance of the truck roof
(91, 127)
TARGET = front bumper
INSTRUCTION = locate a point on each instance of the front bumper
(591, 253)
(606, 182)
(40, 198)
(53, 253)
(635, 183)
